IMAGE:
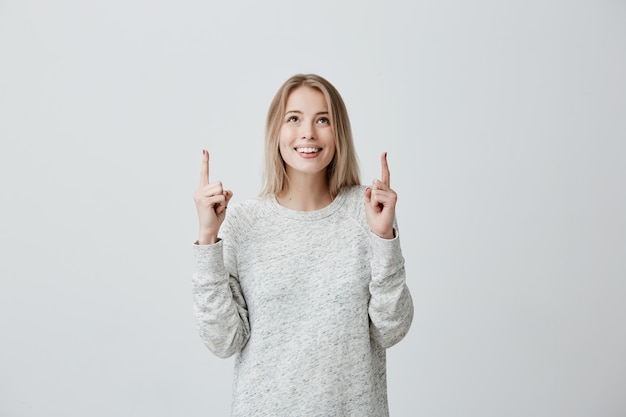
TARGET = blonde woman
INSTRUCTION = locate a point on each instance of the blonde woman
(305, 284)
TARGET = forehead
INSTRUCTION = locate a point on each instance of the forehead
(306, 98)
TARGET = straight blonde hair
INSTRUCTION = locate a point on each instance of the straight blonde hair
(343, 170)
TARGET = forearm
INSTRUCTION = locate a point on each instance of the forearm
(219, 305)
(391, 305)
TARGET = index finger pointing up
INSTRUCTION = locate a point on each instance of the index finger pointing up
(385, 167)
(204, 172)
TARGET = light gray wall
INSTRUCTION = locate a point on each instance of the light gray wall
(506, 131)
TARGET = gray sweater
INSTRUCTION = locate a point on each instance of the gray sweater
(308, 301)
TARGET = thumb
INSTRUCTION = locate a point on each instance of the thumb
(228, 195)
(368, 195)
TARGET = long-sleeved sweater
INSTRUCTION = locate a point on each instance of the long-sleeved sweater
(308, 301)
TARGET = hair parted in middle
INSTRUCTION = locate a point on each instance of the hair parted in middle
(343, 170)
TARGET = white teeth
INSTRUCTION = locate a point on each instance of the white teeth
(308, 150)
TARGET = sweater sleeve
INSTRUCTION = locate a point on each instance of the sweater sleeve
(391, 305)
(220, 307)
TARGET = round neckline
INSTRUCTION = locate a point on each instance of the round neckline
(308, 215)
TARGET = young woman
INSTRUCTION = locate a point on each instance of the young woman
(305, 284)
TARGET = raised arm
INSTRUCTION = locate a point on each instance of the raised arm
(220, 307)
(391, 305)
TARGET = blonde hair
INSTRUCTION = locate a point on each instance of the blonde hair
(343, 170)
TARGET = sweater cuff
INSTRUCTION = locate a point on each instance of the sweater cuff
(209, 259)
(386, 254)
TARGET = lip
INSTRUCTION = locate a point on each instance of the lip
(308, 155)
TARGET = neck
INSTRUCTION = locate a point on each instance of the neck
(305, 193)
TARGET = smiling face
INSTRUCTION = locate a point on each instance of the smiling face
(307, 141)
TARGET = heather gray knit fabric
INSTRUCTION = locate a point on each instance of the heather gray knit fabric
(308, 301)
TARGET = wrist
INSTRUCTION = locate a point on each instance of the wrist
(387, 235)
(207, 239)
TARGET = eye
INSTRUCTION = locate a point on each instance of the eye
(323, 121)
(292, 119)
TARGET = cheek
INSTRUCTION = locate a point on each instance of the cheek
(283, 148)
(282, 145)
(283, 136)
(330, 137)
(332, 143)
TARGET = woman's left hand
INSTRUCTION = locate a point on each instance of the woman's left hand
(380, 203)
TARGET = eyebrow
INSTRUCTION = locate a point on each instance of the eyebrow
(299, 112)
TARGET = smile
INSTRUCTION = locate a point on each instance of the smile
(308, 149)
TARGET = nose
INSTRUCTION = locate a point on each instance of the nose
(307, 131)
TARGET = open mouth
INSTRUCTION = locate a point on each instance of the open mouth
(308, 149)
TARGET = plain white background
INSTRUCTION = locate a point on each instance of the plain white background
(505, 124)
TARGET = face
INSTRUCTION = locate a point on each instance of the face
(307, 141)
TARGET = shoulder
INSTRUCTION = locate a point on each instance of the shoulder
(353, 201)
(249, 210)
(242, 215)
(354, 192)
(353, 196)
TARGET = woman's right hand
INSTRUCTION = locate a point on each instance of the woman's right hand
(211, 202)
